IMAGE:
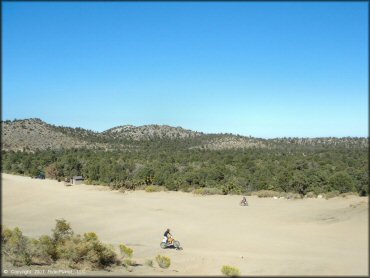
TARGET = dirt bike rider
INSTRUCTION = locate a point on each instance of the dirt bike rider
(244, 201)
(167, 235)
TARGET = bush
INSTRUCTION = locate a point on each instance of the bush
(230, 271)
(231, 188)
(290, 195)
(129, 262)
(62, 231)
(186, 188)
(153, 188)
(64, 245)
(342, 182)
(331, 194)
(347, 194)
(163, 261)
(16, 247)
(149, 262)
(44, 250)
(310, 195)
(207, 191)
(86, 250)
(267, 194)
(126, 251)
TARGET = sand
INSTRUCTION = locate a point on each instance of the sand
(269, 237)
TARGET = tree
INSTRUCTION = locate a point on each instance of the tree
(342, 182)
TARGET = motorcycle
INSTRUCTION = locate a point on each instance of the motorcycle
(171, 242)
(244, 202)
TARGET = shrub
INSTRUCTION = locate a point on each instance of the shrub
(342, 182)
(129, 262)
(6, 234)
(43, 250)
(331, 194)
(163, 261)
(17, 247)
(347, 194)
(231, 188)
(207, 191)
(63, 245)
(186, 188)
(149, 262)
(310, 195)
(87, 249)
(230, 271)
(126, 251)
(266, 194)
(290, 195)
(62, 231)
(153, 188)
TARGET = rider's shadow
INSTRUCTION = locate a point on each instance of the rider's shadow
(173, 247)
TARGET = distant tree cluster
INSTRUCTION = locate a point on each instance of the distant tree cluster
(170, 163)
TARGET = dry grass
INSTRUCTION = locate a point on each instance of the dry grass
(266, 194)
(153, 188)
(163, 261)
(207, 191)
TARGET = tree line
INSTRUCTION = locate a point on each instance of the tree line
(165, 163)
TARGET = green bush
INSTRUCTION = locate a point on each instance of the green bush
(6, 234)
(163, 261)
(126, 251)
(64, 245)
(16, 247)
(230, 271)
(62, 231)
(207, 191)
(153, 188)
(186, 188)
(267, 194)
(231, 188)
(44, 250)
(342, 182)
(86, 250)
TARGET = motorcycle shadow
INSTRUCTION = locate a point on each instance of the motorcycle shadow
(173, 247)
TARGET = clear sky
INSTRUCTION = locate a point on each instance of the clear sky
(266, 69)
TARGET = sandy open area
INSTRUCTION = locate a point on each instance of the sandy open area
(269, 237)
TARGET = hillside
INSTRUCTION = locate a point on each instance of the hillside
(35, 134)
(147, 132)
(180, 159)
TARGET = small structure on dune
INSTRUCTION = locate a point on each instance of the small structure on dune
(77, 179)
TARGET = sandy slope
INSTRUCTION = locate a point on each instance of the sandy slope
(270, 237)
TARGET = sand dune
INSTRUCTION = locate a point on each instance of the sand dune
(269, 237)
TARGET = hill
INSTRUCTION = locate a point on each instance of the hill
(179, 159)
(35, 134)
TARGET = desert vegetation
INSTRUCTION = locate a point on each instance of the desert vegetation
(169, 167)
(74, 250)
(230, 271)
(154, 161)
(163, 261)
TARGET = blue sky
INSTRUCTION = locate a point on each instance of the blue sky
(261, 69)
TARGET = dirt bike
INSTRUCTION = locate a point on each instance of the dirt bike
(243, 203)
(171, 242)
